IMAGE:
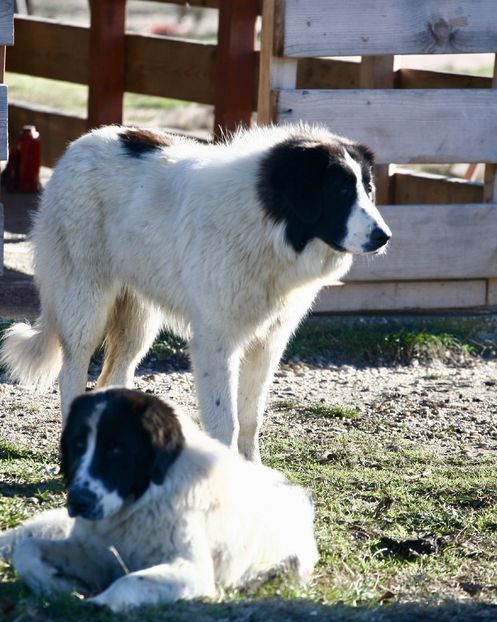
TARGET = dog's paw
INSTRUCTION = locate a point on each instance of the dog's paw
(122, 595)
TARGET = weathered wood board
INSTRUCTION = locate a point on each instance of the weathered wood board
(169, 67)
(411, 188)
(2, 228)
(3, 123)
(57, 129)
(7, 22)
(434, 242)
(403, 126)
(359, 27)
(403, 296)
(50, 49)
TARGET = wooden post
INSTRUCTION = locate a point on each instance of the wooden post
(236, 64)
(2, 72)
(377, 72)
(106, 75)
(490, 196)
(275, 71)
(490, 188)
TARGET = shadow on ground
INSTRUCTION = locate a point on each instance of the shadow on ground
(16, 603)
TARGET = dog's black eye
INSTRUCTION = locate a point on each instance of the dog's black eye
(346, 192)
(114, 450)
(79, 443)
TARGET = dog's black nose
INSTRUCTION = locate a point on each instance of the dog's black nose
(82, 502)
(379, 237)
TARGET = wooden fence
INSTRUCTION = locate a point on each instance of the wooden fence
(444, 250)
(111, 61)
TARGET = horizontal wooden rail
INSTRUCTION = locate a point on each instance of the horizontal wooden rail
(431, 242)
(403, 296)
(424, 79)
(6, 22)
(384, 27)
(49, 49)
(410, 188)
(207, 4)
(403, 126)
(170, 67)
(57, 129)
(3, 122)
(330, 73)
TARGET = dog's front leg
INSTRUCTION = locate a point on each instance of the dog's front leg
(190, 574)
(216, 366)
(51, 525)
(50, 566)
(258, 365)
(164, 583)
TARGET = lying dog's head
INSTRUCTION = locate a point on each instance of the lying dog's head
(114, 445)
(322, 187)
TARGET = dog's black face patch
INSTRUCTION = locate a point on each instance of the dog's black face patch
(139, 142)
(116, 442)
(308, 186)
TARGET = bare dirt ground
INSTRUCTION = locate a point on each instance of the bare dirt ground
(452, 408)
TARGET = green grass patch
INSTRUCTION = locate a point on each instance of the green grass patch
(369, 341)
(390, 341)
(318, 409)
(27, 482)
(376, 497)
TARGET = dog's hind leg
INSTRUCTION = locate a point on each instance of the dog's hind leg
(258, 365)
(82, 325)
(132, 327)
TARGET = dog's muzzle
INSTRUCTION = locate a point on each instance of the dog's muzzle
(378, 238)
(83, 502)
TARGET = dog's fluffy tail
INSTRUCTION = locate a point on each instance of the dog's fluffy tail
(32, 355)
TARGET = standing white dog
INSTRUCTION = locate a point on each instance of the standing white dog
(157, 511)
(225, 244)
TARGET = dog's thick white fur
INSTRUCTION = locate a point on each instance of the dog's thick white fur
(176, 235)
(215, 521)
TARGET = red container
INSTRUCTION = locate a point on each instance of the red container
(28, 159)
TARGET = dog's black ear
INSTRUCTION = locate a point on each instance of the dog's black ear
(166, 437)
(362, 152)
(291, 180)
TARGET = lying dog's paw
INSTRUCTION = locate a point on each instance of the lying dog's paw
(122, 595)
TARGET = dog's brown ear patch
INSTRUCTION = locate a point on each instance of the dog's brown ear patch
(166, 436)
(138, 142)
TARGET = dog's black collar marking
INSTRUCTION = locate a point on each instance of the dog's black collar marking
(139, 142)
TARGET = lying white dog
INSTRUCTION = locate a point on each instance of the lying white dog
(158, 511)
(225, 244)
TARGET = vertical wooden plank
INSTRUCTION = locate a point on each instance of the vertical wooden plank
(106, 75)
(274, 71)
(377, 72)
(492, 292)
(236, 65)
(2, 63)
(490, 187)
(490, 196)
(2, 74)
